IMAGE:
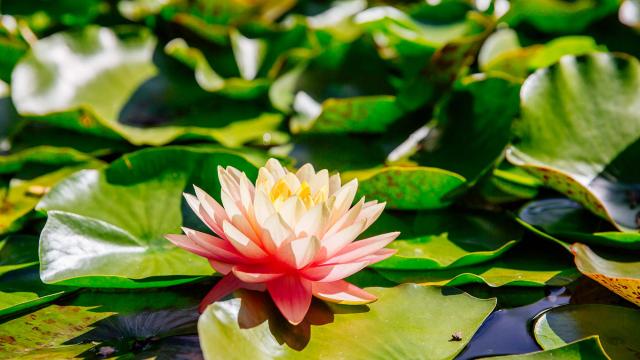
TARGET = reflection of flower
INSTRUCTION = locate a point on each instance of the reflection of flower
(291, 234)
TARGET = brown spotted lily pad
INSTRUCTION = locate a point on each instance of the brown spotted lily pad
(623, 278)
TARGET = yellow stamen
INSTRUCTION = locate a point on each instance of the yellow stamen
(280, 191)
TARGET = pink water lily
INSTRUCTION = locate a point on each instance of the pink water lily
(291, 234)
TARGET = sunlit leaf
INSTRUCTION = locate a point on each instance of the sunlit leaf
(237, 328)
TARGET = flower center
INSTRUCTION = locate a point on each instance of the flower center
(281, 191)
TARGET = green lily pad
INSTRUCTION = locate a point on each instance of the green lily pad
(507, 183)
(484, 107)
(573, 97)
(337, 98)
(90, 240)
(125, 110)
(557, 16)
(502, 52)
(237, 328)
(621, 277)
(43, 334)
(405, 188)
(445, 239)
(585, 349)
(567, 219)
(20, 285)
(21, 196)
(21, 289)
(531, 266)
(616, 326)
(17, 252)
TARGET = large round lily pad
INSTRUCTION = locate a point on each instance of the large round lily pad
(106, 227)
(408, 321)
(579, 133)
(585, 349)
(617, 327)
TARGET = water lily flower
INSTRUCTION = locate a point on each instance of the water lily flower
(291, 234)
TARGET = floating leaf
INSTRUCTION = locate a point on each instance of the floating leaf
(337, 98)
(90, 240)
(43, 333)
(17, 252)
(21, 196)
(574, 97)
(557, 16)
(407, 187)
(616, 326)
(446, 239)
(484, 107)
(621, 277)
(150, 105)
(589, 348)
(22, 289)
(237, 328)
(522, 266)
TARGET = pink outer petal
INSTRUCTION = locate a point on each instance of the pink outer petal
(333, 272)
(184, 242)
(243, 244)
(217, 248)
(221, 267)
(361, 248)
(341, 292)
(255, 274)
(228, 284)
(292, 296)
(378, 256)
(333, 244)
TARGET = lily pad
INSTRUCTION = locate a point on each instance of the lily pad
(237, 328)
(43, 333)
(621, 277)
(484, 107)
(21, 289)
(585, 349)
(572, 98)
(446, 239)
(337, 98)
(21, 196)
(566, 219)
(531, 266)
(405, 188)
(558, 16)
(124, 111)
(90, 240)
(17, 252)
(616, 326)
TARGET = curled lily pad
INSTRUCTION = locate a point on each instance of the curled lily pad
(595, 168)
(446, 239)
(589, 348)
(567, 219)
(153, 103)
(90, 240)
(616, 327)
(621, 277)
(237, 328)
(412, 187)
(522, 266)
